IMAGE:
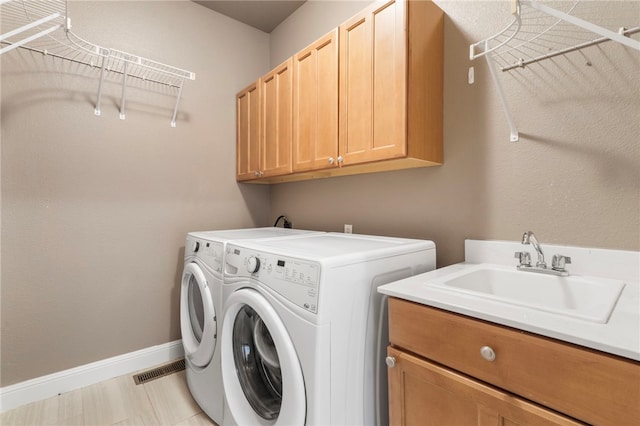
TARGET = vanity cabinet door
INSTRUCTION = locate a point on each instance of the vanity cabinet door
(426, 394)
(592, 386)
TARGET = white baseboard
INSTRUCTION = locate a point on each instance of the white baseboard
(65, 381)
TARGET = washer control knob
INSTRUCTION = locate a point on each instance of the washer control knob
(391, 361)
(196, 246)
(253, 264)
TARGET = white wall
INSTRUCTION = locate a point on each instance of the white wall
(95, 209)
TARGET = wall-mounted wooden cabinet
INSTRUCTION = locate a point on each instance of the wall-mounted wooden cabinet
(315, 105)
(276, 97)
(442, 372)
(264, 125)
(373, 84)
(248, 133)
(368, 96)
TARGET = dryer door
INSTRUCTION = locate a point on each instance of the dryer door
(197, 316)
(260, 368)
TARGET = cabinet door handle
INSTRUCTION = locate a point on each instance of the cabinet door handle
(391, 361)
(488, 353)
(331, 160)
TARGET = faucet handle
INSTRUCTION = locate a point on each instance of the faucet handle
(559, 261)
(524, 257)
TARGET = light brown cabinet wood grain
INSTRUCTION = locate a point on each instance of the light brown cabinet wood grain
(373, 84)
(368, 97)
(581, 383)
(264, 128)
(248, 133)
(276, 98)
(426, 394)
(315, 105)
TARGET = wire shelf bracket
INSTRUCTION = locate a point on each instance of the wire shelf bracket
(44, 26)
(513, 47)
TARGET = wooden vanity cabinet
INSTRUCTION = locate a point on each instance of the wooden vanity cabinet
(426, 394)
(439, 373)
(264, 125)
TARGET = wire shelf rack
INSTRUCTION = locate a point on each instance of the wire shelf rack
(44, 26)
(538, 30)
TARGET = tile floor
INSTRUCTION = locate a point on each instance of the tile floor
(118, 401)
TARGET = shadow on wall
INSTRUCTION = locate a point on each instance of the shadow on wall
(258, 201)
(625, 175)
(174, 309)
(44, 79)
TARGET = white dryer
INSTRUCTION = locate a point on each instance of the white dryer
(201, 309)
(304, 331)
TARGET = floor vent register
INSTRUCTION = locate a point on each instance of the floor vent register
(158, 372)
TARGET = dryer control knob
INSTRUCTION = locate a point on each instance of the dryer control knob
(196, 246)
(253, 264)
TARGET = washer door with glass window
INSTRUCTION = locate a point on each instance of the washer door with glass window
(261, 371)
(197, 316)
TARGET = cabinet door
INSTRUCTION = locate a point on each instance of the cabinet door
(276, 120)
(373, 56)
(248, 133)
(426, 394)
(315, 105)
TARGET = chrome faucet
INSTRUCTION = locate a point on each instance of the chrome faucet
(557, 266)
(530, 238)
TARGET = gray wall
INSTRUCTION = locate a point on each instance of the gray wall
(94, 209)
(574, 178)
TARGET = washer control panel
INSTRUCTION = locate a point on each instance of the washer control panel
(295, 279)
(209, 252)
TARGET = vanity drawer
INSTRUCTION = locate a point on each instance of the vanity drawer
(591, 386)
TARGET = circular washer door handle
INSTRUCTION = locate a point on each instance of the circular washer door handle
(488, 353)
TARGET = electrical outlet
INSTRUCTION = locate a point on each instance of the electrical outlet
(348, 229)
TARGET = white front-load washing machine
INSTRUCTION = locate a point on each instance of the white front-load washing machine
(305, 331)
(201, 309)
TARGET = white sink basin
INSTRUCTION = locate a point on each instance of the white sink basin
(586, 298)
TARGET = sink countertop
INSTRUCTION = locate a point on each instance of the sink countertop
(619, 336)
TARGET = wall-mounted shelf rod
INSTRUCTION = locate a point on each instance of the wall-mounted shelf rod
(625, 32)
(27, 27)
(597, 29)
(55, 55)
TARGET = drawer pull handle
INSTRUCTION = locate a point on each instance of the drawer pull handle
(391, 361)
(488, 353)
